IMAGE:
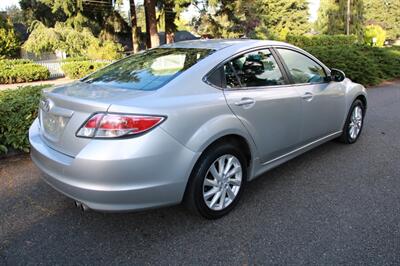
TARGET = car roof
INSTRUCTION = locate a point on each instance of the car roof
(218, 44)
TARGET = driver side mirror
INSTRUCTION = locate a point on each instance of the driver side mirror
(337, 75)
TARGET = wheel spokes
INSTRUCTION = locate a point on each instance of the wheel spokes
(215, 198)
(214, 172)
(222, 199)
(234, 182)
(356, 122)
(222, 182)
(210, 193)
(231, 194)
(234, 171)
(211, 183)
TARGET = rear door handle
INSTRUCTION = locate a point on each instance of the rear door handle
(308, 96)
(246, 102)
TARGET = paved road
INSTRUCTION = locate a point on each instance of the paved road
(336, 204)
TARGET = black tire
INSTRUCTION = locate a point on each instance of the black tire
(193, 199)
(346, 137)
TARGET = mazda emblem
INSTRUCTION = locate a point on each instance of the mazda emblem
(45, 104)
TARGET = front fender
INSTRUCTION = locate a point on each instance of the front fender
(353, 90)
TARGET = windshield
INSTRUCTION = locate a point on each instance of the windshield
(149, 70)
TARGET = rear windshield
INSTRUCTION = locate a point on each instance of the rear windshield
(149, 70)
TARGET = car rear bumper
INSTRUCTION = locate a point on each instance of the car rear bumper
(118, 175)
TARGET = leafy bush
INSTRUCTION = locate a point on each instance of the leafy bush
(387, 59)
(20, 70)
(13, 62)
(79, 69)
(321, 40)
(18, 109)
(108, 50)
(9, 43)
(374, 31)
(75, 43)
(362, 64)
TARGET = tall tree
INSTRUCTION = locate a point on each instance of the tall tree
(169, 19)
(255, 18)
(170, 10)
(36, 10)
(385, 13)
(332, 16)
(151, 23)
(282, 17)
(9, 43)
(135, 32)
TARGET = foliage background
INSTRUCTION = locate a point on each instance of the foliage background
(18, 109)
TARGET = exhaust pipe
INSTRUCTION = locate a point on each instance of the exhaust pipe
(85, 208)
(81, 206)
(78, 204)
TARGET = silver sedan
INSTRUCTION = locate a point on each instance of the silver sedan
(190, 122)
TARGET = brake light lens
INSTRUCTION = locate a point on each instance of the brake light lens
(104, 125)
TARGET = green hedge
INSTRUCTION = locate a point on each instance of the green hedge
(321, 40)
(20, 70)
(79, 69)
(75, 59)
(362, 64)
(18, 109)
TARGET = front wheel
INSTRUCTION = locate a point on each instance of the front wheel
(354, 123)
(217, 182)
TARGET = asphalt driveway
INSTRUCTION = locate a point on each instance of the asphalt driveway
(336, 204)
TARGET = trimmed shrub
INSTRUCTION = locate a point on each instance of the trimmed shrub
(387, 59)
(75, 59)
(13, 62)
(80, 69)
(374, 31)
(18, 109)
(321, 40)
(362, 64)
(20, 70)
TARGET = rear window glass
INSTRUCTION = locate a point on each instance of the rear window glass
(149, 70)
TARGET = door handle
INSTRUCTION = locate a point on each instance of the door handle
(246, 102)
(308, 96)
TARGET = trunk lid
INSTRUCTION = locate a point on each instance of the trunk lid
(63, 110)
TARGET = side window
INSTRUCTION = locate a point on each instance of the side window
(254, 69)
(301, 68)
(231, 77)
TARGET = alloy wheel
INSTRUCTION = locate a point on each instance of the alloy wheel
(356, 121)
(222, 182)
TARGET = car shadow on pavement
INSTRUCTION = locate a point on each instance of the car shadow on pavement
(38, 220)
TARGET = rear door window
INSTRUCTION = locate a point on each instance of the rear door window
(253, 69)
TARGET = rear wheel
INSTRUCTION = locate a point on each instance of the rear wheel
(354, 123)
(217, 182)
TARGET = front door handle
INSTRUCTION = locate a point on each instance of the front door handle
(308, 96)
(246, 102)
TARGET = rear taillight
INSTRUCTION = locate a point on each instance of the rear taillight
(104, 125)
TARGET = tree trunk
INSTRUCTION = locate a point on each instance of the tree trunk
(348, 14)
(151, 22)
(135, 32)
(170, 27)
